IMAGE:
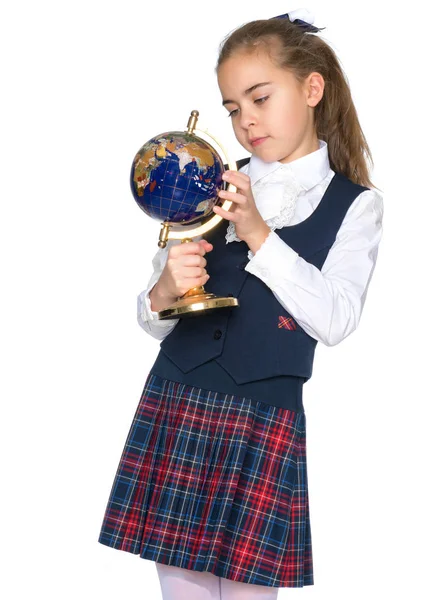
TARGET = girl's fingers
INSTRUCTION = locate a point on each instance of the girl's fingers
(238, 179)
(194, 260)
(193, 272)
(225, 214)
(238, 198)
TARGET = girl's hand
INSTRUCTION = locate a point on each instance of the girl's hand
(184, 268)
(249, 224)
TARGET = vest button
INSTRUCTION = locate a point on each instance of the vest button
(217, 334)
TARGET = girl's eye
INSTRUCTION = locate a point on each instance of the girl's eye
(260, 100)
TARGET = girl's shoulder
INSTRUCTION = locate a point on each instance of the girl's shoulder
(368, 198)
(368, 205)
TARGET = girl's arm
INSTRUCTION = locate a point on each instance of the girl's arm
(146, 317)
(328, 303)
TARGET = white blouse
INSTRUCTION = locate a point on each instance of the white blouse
(327, 303)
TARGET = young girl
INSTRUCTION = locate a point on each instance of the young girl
(212, 484)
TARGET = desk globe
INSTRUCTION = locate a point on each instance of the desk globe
(175, 179)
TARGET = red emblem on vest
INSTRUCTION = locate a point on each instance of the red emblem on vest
(287, 323)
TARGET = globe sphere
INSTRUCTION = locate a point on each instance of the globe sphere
(176, 177)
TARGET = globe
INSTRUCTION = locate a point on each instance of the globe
(176, 177)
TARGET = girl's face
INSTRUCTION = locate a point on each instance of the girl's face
(267, 102)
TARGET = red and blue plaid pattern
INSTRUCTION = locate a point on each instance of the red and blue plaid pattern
(212, 482)
(287, 323)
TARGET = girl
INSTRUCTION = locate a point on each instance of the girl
(212, 484)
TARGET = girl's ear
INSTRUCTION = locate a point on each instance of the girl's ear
(314, 88)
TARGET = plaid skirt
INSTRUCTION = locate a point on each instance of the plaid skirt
(209, 481)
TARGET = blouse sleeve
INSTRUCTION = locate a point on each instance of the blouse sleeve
(326, 303)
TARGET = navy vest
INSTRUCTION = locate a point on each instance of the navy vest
(243, 350)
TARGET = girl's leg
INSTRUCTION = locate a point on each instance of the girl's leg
(235, 590)
(184, 584)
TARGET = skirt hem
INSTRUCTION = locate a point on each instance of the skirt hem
(307, 580)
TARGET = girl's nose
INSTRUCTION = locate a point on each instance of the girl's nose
(247, 120)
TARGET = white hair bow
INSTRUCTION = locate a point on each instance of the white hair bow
(303, 18)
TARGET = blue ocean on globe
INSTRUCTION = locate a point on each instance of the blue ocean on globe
(176, 177)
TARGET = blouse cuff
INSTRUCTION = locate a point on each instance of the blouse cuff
(273, 261)
(145, 309)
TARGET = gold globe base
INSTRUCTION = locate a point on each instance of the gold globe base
(197, 302)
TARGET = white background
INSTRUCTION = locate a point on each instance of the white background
(85, 84)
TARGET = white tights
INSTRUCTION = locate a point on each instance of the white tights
(184, 584)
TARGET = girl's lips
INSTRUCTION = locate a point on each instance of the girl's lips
(258, 141)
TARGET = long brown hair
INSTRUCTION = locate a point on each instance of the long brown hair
(302, 53)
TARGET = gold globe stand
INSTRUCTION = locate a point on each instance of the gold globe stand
(197, 301)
